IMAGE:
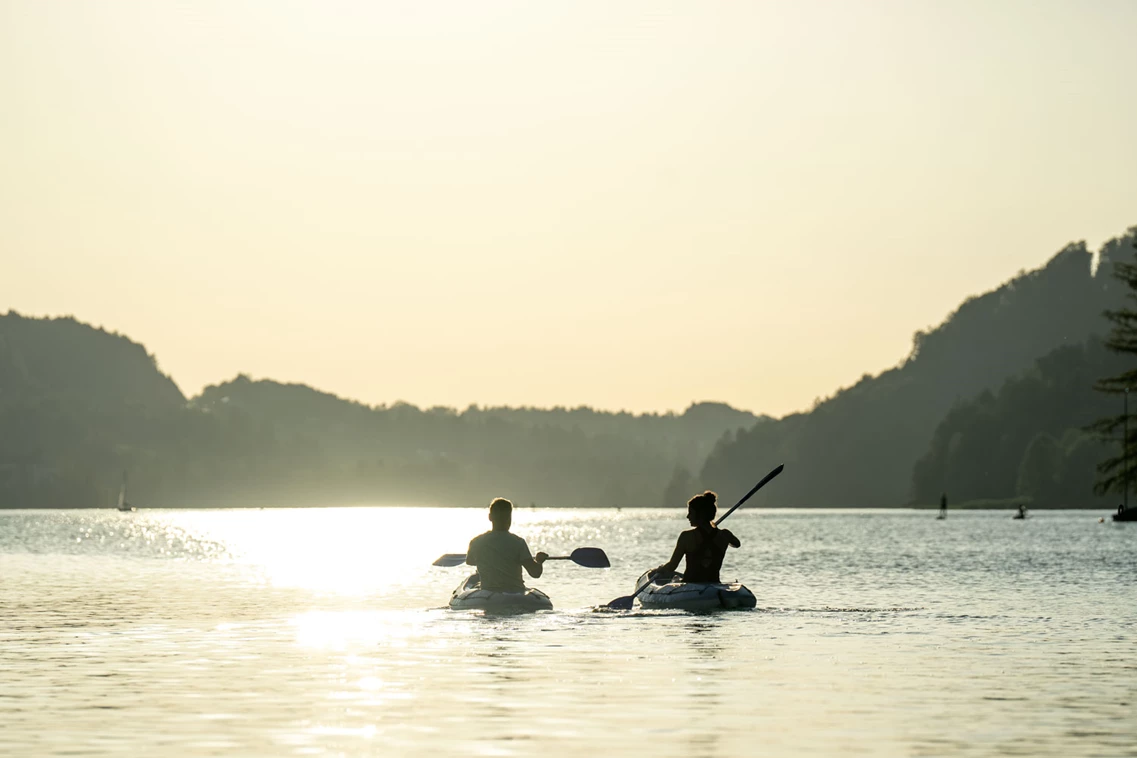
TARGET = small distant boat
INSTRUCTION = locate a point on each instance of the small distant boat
(122, 504)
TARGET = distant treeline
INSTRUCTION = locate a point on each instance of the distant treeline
(78, 406)
(1028, 440)
(991, 404)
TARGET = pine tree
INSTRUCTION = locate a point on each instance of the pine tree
(1115, 474)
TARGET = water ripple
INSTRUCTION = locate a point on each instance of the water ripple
(324, 632)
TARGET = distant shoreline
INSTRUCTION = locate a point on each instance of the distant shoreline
(970, 505)
(1010, 504)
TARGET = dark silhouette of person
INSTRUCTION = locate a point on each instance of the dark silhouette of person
(499, 554)
(943, 505)
(1022, 511)
(704, 546)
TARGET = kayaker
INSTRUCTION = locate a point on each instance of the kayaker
(500, 555)
(704, 546)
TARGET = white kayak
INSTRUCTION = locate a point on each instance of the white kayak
(470, 596)
(693, 596)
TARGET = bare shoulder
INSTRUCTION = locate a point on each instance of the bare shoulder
(729, 537)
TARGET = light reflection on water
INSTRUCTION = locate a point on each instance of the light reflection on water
(303, 632)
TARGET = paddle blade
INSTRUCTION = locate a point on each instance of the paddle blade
(590, 557)
(621, 603)
(451, 559)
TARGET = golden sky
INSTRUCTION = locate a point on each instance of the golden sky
(627, 205)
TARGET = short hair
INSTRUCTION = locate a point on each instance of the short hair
(500, 505)
(703, 505)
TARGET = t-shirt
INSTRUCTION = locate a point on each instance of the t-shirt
(499, 557)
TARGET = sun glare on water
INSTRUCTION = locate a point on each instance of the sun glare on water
(341, 551)
(343, 630)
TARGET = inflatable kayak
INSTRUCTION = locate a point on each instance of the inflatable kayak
(693, 596)
(470, 596)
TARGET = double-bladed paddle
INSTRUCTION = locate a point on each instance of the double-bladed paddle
(625, 603)
(589, 557)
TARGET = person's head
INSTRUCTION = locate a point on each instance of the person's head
(701, 508)
(501, 514)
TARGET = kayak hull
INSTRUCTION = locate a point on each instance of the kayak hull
(695, 596)
(469, 596)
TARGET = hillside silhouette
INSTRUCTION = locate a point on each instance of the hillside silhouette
(992, 403)
(859, 447)
(1028, 439)
(79, 405)
(61, 360)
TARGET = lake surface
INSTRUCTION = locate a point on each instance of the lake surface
(325, 632)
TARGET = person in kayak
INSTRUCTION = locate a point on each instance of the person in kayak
(704, 546)
(499, 555)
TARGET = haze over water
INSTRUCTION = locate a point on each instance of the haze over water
(324, 632)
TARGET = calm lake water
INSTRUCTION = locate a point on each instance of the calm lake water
(325, 632)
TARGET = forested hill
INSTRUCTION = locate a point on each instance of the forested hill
(403, 453)
(78, 406)
(348, 428)
(61, 360)
(1029, 439)
(859, 447)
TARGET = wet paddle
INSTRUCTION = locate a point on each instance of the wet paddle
(589, 557)
(625, 603)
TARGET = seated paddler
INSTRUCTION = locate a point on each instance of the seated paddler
(704, 546)
(499, 554)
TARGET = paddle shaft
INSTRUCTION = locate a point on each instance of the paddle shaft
(746, 497)
(548, 558)
(589, 557)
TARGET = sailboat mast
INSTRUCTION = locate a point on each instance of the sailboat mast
(122, 492)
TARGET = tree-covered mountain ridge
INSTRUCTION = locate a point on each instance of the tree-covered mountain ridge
(1031, 439)
(79, 404)
(859, 447)
(62, 359)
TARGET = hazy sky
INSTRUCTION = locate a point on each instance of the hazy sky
(622, 204)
